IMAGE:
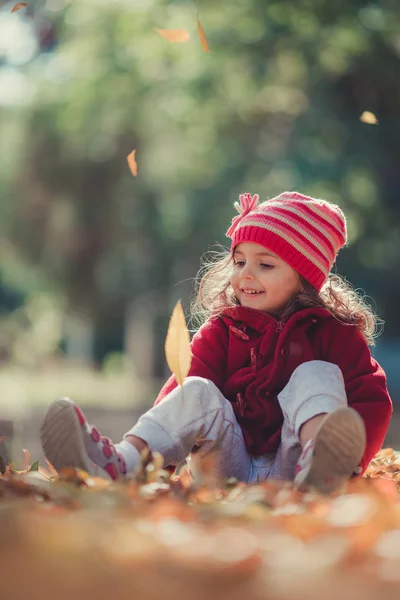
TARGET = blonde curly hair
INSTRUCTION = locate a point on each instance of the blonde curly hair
(213, 293)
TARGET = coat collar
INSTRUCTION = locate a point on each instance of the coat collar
(260, 320)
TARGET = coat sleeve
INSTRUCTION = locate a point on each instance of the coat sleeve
(365, 383)
(209, 356)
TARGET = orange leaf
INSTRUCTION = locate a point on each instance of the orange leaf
(52, 470)
(132, 162)
(45, 474)
(18, 6)
(178, 36)
(369, 118)
(202, 37)
(27, 459)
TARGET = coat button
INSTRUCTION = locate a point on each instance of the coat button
(239, 333)
(284, 351)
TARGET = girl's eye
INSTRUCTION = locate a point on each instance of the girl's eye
(267, 266)
(239, 263)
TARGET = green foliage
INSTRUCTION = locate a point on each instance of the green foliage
(275, 106)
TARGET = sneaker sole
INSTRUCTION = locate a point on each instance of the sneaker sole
(338, 449)
(62, 439)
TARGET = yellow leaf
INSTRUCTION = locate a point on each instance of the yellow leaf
(177, 344)
(132, 162)
(178, 36)
(18, 6)
(369, 118)
(202, 37)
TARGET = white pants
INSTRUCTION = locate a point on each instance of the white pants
(201, 416)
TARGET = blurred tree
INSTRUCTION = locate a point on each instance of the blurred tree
(275, 106)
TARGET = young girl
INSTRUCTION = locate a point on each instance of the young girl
(282, 383)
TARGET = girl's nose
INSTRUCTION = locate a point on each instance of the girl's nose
(247, 272)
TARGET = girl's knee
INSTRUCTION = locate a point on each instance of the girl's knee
(190, 381)
(318, 369)
(204, 391)
(199, 383)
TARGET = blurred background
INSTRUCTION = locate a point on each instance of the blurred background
(93, 259)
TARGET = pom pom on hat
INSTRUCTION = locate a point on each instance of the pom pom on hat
(305, 232)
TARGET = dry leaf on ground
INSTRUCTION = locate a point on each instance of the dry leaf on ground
(158, 536)
(27, 459)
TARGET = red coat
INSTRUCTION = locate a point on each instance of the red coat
(250, 358)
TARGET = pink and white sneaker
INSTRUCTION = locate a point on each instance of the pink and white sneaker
(334, 455)
(69, 441)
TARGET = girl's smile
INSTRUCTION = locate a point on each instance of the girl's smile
(251, 294)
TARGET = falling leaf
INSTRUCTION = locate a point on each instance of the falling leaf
(369, 118)
(202, 37)
(18, 6)
(177, 344)
(132, 162)
(178, 36)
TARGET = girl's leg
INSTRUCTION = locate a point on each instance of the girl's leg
(199, 417)
(315, 397)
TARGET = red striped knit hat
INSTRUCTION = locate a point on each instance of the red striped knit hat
(305, 232)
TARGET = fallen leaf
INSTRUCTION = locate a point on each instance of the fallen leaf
(73, 475)
(18, 6)
(132, 162)
(27, 458)
(177, 345)
(178, 36)
(202, 37)
(369, 118)
(52, 470)
(45, 474)
(98, 483)
(387, 487)
(35, 466)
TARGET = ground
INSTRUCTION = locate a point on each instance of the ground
(70, 535)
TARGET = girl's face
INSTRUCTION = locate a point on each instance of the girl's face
(261, 280)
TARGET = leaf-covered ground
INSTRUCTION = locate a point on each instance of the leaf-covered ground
(73, 536)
